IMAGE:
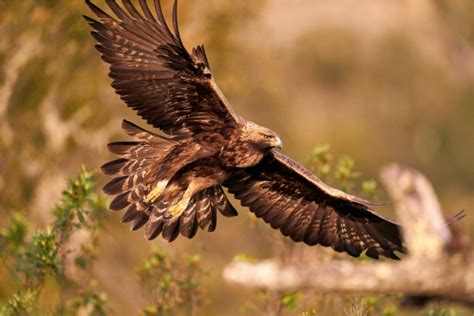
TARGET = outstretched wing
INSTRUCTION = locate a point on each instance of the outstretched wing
(154, 73)
(290, 198)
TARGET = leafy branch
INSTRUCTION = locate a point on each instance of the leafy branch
(34, 260)
(172, 283)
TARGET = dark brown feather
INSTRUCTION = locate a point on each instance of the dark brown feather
(130, 214)
(290, 198)
(171, 229)
(153, 229)
(120, 202)
(187, 222)
(139, 221)
(154, 73)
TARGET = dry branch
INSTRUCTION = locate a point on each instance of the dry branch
(431, 268)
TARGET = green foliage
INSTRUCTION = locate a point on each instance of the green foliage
(40, 259)
(320, 160)
(340, 172)
(22, 303)
(311, 312)
(90, 298)
(441, 311)
(369, 187)
(345, 169)
(390, 310)
(243, 257)
(13, 236)
(171, 282)
(33, 261)
(291, 300)
(71, 211)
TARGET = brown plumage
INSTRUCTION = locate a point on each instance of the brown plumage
(172, 184)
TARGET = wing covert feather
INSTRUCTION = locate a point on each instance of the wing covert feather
(152, 71)
(290, 198)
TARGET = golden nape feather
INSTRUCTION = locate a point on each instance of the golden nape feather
(172, 184)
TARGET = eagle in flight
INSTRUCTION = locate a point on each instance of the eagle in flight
(172, 183)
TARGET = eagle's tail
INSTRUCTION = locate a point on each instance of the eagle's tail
(136, 157)
(138, 164)
(144, 172)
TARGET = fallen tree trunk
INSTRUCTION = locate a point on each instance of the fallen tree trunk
(438, 263)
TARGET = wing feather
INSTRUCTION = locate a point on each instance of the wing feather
(154, 73)
(311, 236)
(290, 198)
(301, 226)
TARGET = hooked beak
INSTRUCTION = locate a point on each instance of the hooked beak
(277, 143)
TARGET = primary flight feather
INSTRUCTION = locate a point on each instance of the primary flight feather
(172, 184)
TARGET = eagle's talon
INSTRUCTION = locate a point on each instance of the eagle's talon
(156, 192)
(176, 210)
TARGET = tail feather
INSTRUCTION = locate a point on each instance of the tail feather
(138, 162)
(140, 133)
(170, 229)
(151, 175)
(130, 214)
(220, 201)
(187, 222)
(205, 213)
(124, 167)
(140, 220)
(114, 167)
(120, 202)
(115, 186)
(125, 183)
(153, 229)
(140, 150)
(200, 213)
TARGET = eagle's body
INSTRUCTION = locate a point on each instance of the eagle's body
(173, 183)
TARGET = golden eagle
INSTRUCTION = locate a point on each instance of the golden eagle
(173, 183)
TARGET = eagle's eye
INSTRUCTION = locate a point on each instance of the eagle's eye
(267, 136)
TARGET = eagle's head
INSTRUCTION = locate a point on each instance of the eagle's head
(261, 137)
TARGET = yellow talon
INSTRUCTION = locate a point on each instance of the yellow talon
(156, 192)
(177, 209)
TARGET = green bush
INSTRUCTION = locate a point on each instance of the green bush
(33, 261)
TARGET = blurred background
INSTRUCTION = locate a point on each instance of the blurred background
(382, 81)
